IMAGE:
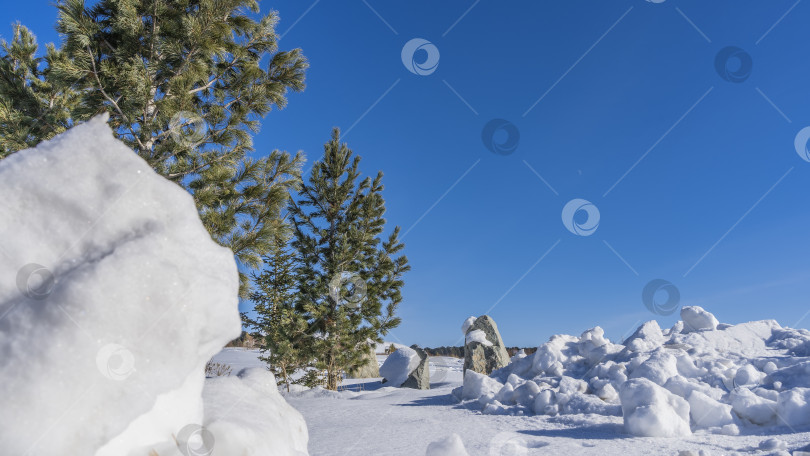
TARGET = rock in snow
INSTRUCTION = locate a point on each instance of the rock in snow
(399, 365)
(484, 350)
(419, 378)
(110, 262)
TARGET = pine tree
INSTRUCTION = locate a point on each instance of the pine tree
(347, 271)
(184, 85)
(32, 107)
(278, 324)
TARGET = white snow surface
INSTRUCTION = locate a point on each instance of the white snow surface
(399, 366)
(370, 418)
(701, 375)
(113, 297)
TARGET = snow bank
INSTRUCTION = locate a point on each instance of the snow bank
(697, 375)
(399, 365)
(113, 297)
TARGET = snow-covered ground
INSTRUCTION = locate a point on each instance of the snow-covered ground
(371, 419)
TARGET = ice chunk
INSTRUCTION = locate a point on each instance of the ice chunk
(651, 411)
(793, 407)
(659, 367)
(707, 412)
(476, 385)
(647, 337)
(399, 365)
(695, 318)
(126, 284)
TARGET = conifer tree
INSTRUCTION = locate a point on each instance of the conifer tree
(185, 84)
(349, 275)
(32, 106)
(278, 324)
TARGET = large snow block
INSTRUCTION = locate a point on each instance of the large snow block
(112, 298)
(651, 411)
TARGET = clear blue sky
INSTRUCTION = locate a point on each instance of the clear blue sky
(717, 204)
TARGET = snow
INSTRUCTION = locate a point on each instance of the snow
(399, 365)
(448, 446)
(479, 336)
(467, 323)
(696, 319)
(246, 427)
(350, 421)
(698, 375)
(110, 263)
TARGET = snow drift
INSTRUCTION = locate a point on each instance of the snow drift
(112, 298)
(699, 374)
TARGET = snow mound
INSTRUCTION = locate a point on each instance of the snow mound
(399, 365)
(697, 375)
(110, 263)
(448, 446)
(236, 415)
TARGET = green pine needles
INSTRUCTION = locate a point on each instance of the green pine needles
(348, 276)
(185, 86)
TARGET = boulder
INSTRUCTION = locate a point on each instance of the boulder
(370, 368)
(484, 350)
(419, 378)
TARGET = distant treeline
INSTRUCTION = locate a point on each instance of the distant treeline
(458, 352)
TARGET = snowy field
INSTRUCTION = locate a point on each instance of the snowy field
(370, 419)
